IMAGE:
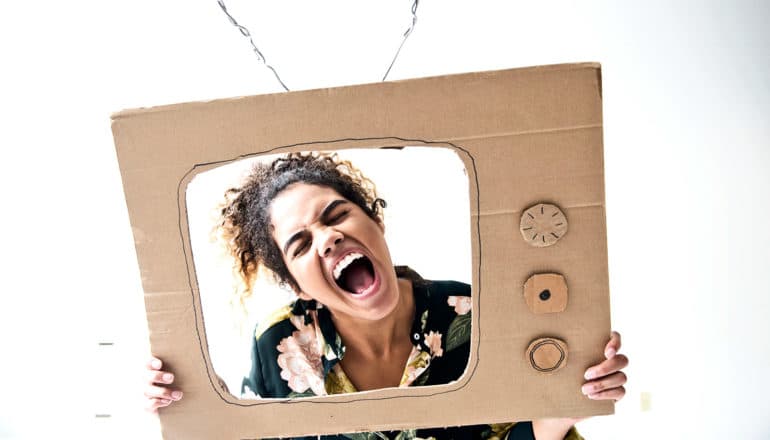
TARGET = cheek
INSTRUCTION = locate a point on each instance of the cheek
(376, 241)
(305, 270)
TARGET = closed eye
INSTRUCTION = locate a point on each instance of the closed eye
(337, 217)
(301, 248)
(327, 217)
(334, 219)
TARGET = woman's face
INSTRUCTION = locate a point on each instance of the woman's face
(336, 253)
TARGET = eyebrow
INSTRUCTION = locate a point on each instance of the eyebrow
(324, 217)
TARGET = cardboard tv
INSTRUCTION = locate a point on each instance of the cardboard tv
(530, 143)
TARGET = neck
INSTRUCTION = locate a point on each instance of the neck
(378, 339)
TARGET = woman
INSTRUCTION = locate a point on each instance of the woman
(359, 323)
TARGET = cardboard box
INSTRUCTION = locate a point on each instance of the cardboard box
(526, 136)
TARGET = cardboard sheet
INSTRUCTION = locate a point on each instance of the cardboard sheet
(526, 136)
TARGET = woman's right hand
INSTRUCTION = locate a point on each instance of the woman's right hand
(157, 391)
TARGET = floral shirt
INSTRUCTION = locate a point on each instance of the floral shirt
(297, 353)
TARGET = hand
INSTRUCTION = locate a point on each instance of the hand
(605, 382)
(158, 395)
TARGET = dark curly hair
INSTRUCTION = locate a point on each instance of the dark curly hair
(246, 220)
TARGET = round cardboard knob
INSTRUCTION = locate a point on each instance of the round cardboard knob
(543, 225)
(547, 355)
(546, 293)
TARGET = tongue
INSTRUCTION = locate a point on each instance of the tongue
(357, 277)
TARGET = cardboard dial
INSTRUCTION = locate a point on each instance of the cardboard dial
(546, 293)
(543, 225)
(547, 355)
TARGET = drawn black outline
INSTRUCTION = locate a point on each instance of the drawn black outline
(551, 341)
(470, 370)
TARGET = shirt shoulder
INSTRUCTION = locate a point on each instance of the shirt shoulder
(447, 288)
(276, 317)
(264, 378)
(445, 301)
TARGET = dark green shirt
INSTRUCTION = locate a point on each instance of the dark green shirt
(289, 360)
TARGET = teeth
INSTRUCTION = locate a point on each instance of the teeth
(345, 262)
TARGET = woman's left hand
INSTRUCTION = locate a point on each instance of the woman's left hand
(605, 382)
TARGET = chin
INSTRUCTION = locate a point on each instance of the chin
(385, 301)
(368, 288)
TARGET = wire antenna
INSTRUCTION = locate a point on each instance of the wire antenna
(245, 32)
(403, 40)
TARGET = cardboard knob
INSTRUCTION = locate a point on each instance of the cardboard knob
(547, 355)
(543, 225)
(546, 293)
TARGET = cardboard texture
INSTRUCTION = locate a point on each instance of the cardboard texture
(546, 293)
(526, 136)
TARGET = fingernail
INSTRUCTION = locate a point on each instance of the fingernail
(593, 396)
(176, 395)
(610, 352)
(155, 363)
(590, 374)
(586, 389)
(168, 378)
(165, 401)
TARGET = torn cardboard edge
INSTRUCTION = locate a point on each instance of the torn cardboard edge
(530, 135)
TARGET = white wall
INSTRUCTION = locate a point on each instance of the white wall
(686, 88)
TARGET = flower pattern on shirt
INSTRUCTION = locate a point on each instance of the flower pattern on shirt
(302, 354)
(433, 342)
(303, 344)
(462, 304)
(300, 359)
(418, 362)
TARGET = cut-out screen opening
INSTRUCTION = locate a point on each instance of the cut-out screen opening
(426, 227)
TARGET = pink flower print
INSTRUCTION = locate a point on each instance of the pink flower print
(462, 304)
(300, 361)
(410, 374)
(433, 341)
(418, 362)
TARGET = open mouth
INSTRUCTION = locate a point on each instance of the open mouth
(354, 273)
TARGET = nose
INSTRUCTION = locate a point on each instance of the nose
(330, 239)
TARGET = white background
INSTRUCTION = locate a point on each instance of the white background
(686, 88)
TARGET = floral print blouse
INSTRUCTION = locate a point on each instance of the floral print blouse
(297, 352)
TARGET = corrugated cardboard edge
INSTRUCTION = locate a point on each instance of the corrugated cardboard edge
(172, 107)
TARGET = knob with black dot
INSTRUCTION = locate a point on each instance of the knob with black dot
(546, 293)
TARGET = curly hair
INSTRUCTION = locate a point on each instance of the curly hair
(245, 223)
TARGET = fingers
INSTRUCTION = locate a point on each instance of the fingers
(163, 377)
(611, 394)
(606, 379)
(156, 376)
(613, 346)
(156, 392)
(159, 396)
(615, 380)
(154, 364)
(155, 403)
(609, 366)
